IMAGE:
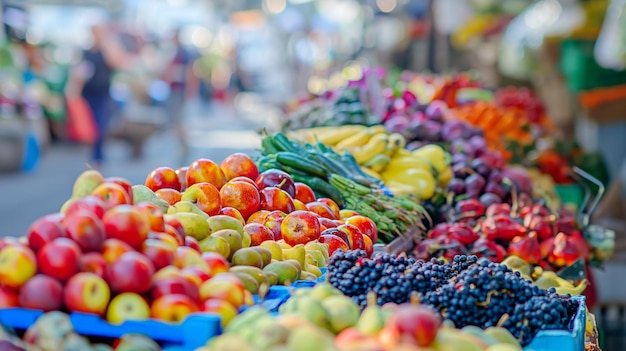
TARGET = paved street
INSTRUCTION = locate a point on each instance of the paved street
(213, 133)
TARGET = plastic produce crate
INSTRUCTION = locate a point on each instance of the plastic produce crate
(563, 340)
(570, 194)
(277, 295)
(581, 68)
(192, 333)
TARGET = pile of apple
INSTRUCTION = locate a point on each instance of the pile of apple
(129, 252)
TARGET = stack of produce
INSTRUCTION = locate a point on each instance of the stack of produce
(467, 291)
(202, 238)
(340, 177)
(322, 318)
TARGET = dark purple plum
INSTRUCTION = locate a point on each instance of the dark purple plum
(478, 142)
(453, 130)
(496, 188)
(458, 158)
(436, 110)
(397, 123)
(496, 176)
(456, 186)
(474, 183)
(488, 199)
(461, 170)
(460, 146)
(414, 145)
(426, 130)
(480, 167)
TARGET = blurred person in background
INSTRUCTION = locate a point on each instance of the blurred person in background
(184, 87)
(92, 80)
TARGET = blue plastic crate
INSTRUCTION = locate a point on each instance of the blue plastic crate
(563, 340)
(192, 333)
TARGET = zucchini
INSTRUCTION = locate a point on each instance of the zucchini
(301, 164)
(282, 143)
(322, 187)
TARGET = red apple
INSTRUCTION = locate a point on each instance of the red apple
(59, 258)
(418, 322)
(175, 223)
(355, 237)
(112, 195)
(42, 292)
(320, 208)
(8, 298)
(205, 196)
(216, 262)
(165, 272)
(192, 242)
(175, 285)
(181, 172)
(258, 217)
(86, 229)
(11, 241)
(127, 306)
(223, 289)
(205, 171)
(44, 230)
(239, 165)
(300, 227)
(169, 240)
(223, 308)
(195, 275)
(343, 214)
(87, 293)
(339, 233)
(368, 245)
(155, 215)
(333, 206)
(187, 257)
(173, 308)
(168, 195)
(124, 183)
(276, 178)
(233, 212)
(13, 257)
(159, 253)
(304, 193)
(258, 233)
(328, 223)
(299, 205)
(131, 272)
(334, 243)
(365, 225)
(92, 204)
(273, 221)
(93, 262)
(163, 177)
(179, 238)
(112, 249)
(127, 223)
(242, 196)
(275, 199)
(243, 179)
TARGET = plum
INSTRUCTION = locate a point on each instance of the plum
(496, 188)
(481, 167)
(398, 123)
(436, 110)
(474, 184)
(488, 199)
(478, 142)
(496, 176)
(461, 170)
(458, 158)
(414, 145)
(453, 130)
(456, 186)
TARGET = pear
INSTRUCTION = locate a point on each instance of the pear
(313, 269)
(232, 237)
(372, 320)
(220, 222)
(286, 273)
(247, 320)
(134, 342)
(269, 334)
(254, 272)
(141, 193)
(283, 244)
(502, 335)
(194, 225)
(317, 246)
(310, 338)
(342, 312)
(274, 248)
(215, 244)
(303, 291)
(479, 333)
(504, 347)
(66, 204)
(86, 183)
(229, 342)
(247, 257)
(248, 282)
(296, 264)
(308, 307)
(297, 253)
(323, 290)
(186, 206)
(320, 260)
(272, 278)
(304, 275)
(265, 254)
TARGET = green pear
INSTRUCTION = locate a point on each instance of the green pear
(142, 193)
(66, 204)
(307, 307)
(504, 347)
(247, 256)
(135, 342)
(232, 237)
(372, 320)
(247, 320)
(479, 333)
(248, 282)
(342, 312)
(297, 253)
(194, 224)
(229, 342)
(306, 275)
(215, 244)
(316, 246)
(310, 338)
(186, 206)
(220, 222)
(287, 273)
(86, 183)
(324, 290)
(274, 248)
(268, 334)
(502, 335)
(265, 254)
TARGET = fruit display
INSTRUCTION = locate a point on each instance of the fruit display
(322, 318)
(493, 293)
(340, 178)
